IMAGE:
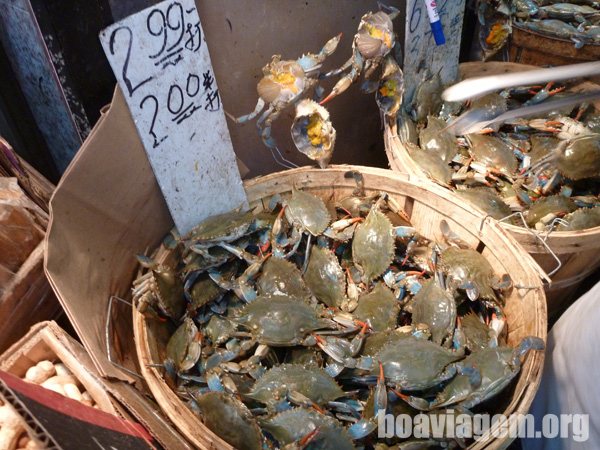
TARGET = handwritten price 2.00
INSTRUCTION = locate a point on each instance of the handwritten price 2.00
(177, 98)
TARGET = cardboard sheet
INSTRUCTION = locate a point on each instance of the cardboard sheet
(106, 208)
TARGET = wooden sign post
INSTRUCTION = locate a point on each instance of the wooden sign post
(420, 49)
(162, 65)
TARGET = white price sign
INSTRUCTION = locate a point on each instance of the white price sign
(162, 65)
(420, 51)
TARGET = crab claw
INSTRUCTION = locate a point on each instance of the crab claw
(473, 373)
(530, 342)
(380, 392)
(304, 441)
(362, 428)
(416, 402)
(339, 87)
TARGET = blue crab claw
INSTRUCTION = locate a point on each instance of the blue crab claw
(380, 392)
(304, 441)
(473, 373)
(504, 284)
(214, 382)
(345, 407)
(393, 12)
(145, 261)
(530, 342)
(344, 83)
(471, 290)
(362, 428)
(282, 404)
(451, 237)
(416, 402)
(405, 232)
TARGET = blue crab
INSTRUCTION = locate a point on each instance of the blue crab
(482, 375)
(373, 41)
(325, 277)
(427, 99)
(434, 138)
(413, 363)
(292, 381)
(161, 288)
(545, 210)
(373, 244)
(488, 200)
(379, 308)
(434, 306)
(576, 159)
(581, 219)
(229, 419)
(280, 276)
(281, 320)
(290, 426)
(283, 84)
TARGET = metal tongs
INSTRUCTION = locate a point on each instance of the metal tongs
(474, 120)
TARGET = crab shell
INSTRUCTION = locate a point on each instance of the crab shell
(167, 288)
(279, 276)
(280, 320)
(379, 307)
(309, 211)
(225, 227)
(549, 205)
(477, 333)
(497, 367)
(230, 419)
(493, 152)
(580, 157)
(375, 36)
(374, 342)
(313, 133)
(581, 219)
(325, 277)
(469, 265)
(179, 349)
(413, 363)
(373, 245)
(428, 98)
(430, 163)
(284, 81)
(433, 139)
(488, 200)
(435, 307)
(292, 425)
(314, 383)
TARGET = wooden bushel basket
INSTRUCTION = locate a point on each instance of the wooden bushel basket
(578, 251)
(427, 205)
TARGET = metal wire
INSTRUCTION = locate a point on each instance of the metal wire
(107, 335)
(537, 237)
(283, 162)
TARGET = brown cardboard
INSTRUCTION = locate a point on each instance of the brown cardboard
(106, 208)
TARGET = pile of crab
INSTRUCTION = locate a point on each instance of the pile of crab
(546, 169)
(576, 21)
(296, 325)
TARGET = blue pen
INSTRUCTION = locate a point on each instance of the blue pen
(436, 23)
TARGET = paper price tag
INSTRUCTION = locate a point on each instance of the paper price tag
(420, 51)
(162, 65)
